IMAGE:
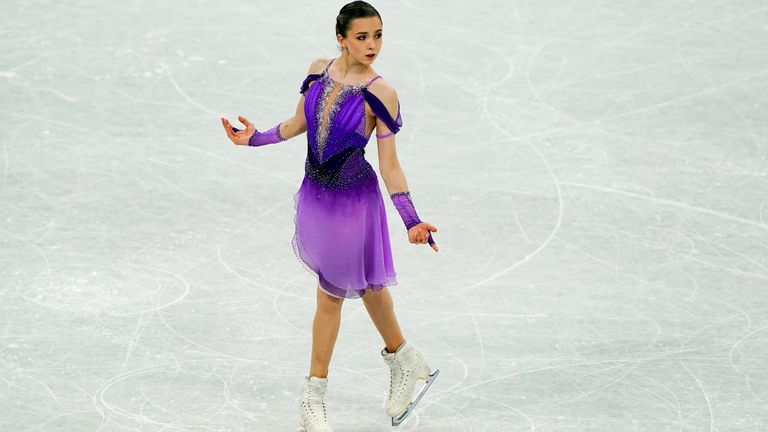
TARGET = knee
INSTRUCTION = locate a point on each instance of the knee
(327, 303)
(377, 299)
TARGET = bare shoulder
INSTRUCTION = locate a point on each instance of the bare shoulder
(386, 94)
(318, 64)
(382, 89)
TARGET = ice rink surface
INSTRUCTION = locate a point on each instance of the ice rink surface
(596, 170)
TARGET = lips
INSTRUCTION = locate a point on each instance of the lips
(370, 55)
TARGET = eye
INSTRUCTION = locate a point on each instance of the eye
(361, 38)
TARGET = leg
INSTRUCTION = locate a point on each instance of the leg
(406, 367)
(380, 308)
(325, 328)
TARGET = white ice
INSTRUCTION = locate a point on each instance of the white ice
(596, 171)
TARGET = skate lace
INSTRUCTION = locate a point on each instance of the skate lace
(316, 412)
(396, 374)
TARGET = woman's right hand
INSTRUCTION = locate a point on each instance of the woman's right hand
(239, 137)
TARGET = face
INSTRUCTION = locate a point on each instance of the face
(363, 37)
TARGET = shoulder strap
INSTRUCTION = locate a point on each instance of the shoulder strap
(329, 64)
(374, 79)
(381, 112)
(312, 77)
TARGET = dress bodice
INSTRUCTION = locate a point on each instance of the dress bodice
(337, 129)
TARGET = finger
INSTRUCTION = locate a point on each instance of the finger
(234, 129)
(244, 121)
(229, 131)
(434, 246)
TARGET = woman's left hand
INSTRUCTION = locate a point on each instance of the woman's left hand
(421, 234)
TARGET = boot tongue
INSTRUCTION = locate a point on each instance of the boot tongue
(318, 384)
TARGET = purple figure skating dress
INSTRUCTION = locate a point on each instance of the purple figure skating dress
(341, 224)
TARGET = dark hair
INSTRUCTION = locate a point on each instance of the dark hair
(352, 10)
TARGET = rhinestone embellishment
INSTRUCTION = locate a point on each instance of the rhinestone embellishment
(323, 127)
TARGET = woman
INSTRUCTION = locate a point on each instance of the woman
(341, 227)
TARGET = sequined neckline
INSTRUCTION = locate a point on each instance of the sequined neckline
(328, 75)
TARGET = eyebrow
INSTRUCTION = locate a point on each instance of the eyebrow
(359, 33)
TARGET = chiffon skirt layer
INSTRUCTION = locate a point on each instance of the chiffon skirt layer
(342, 237)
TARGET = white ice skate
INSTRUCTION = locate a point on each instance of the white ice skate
(406, 366)
(313, 414)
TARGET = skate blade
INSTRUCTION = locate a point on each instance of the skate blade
(396, 420)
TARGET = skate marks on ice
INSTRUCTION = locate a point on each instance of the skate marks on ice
(597, 170)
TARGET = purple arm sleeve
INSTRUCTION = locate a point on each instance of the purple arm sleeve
(404, 206)
(263, 138)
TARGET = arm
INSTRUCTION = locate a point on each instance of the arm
(389, 165)
(393, 175)
(282, 131)
(297, 124)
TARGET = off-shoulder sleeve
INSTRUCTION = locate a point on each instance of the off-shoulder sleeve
(307, 80)
(382, 113)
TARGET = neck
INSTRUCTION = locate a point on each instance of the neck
(348, 66)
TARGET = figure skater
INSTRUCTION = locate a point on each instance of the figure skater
(341, 232)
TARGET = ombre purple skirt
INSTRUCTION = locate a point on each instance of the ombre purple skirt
(342, 237)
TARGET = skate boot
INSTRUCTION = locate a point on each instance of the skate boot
(406, 367)
(313, 414)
